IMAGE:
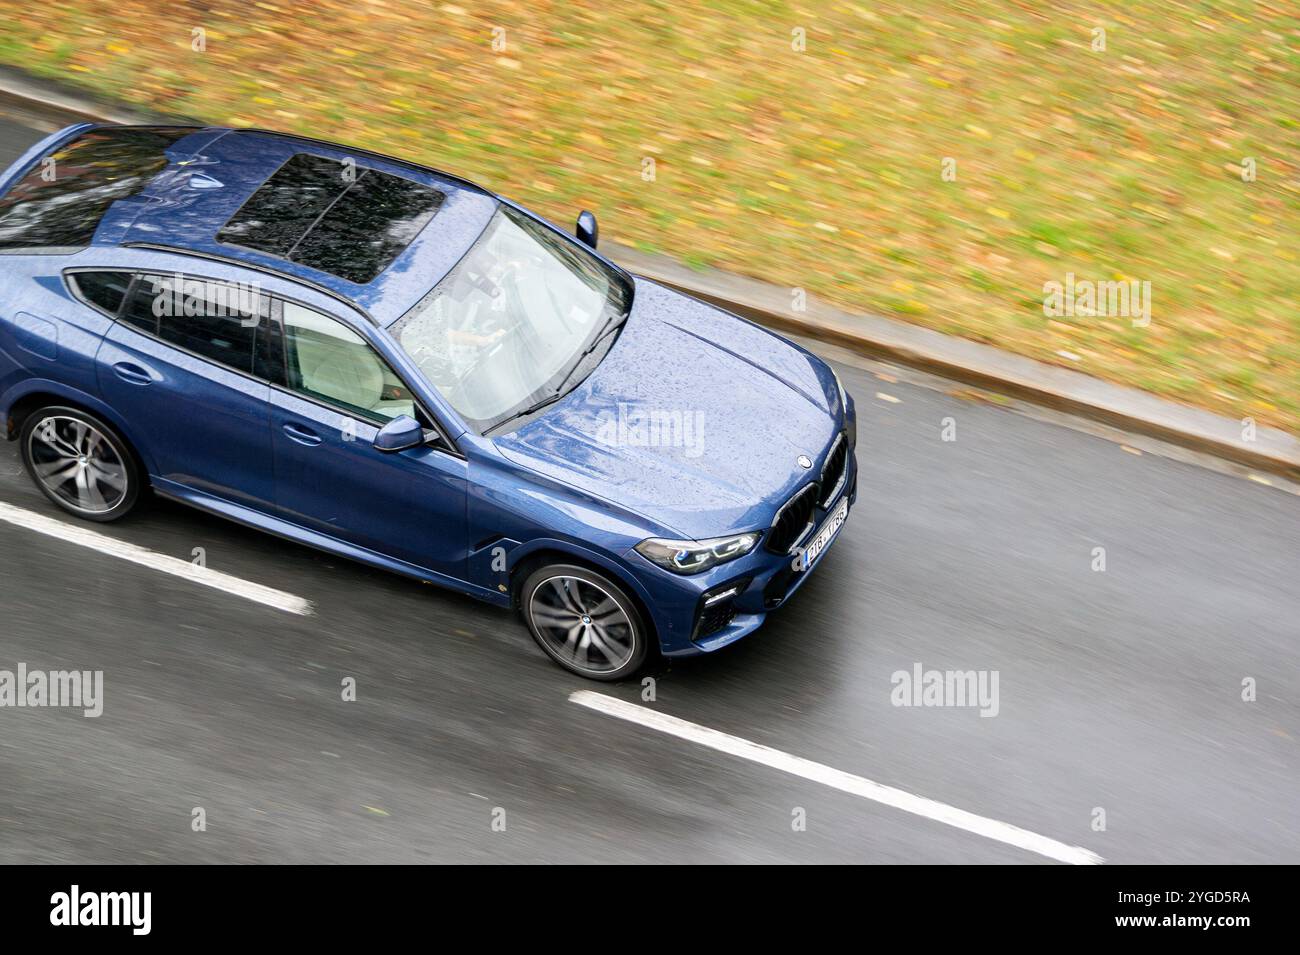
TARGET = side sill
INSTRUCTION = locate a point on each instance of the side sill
(323, 542)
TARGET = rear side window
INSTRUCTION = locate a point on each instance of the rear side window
(104, 290)
(333, 216)
(57, 205)
(219, 321)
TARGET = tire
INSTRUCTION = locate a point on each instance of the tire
(584, 621)
(80, 463)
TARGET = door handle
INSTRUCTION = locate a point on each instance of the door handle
(302, 435)
(132, 373)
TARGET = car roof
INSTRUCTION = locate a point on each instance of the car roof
(213, 171)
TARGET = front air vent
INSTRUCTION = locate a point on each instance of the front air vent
(713, 619)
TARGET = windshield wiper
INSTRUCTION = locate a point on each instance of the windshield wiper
(613, 322)
(531, 409)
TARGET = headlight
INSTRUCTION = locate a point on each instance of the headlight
(693, 557)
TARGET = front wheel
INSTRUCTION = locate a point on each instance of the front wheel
(80, 463)
(584, 621)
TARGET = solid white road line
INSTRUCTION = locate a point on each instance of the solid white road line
(84, 537)
(846, 782)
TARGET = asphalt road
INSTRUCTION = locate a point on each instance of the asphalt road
(1118, 690)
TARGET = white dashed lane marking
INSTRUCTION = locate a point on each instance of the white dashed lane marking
(845, 782)
(102, 543)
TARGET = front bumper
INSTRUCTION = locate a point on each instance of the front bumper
(688, 624)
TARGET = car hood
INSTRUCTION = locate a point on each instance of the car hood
(695, 419)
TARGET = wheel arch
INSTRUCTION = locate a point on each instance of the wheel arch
(21, 403)
(557, 552)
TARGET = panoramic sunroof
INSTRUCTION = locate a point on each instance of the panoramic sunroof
(333, 216)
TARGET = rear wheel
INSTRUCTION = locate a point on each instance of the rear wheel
(584, 621)
(80, 463)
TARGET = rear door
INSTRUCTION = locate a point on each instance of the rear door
(179, 365)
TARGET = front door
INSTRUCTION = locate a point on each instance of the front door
(335, 395)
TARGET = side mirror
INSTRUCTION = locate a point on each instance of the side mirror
(399, 434)
(587, 231)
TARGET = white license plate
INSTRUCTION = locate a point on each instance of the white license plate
(822, 539)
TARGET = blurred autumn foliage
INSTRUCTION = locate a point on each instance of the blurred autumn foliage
(805, 144)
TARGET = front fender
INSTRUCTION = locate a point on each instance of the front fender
(665, 627)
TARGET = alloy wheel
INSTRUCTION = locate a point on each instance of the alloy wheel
(582, 624)
(78, 464)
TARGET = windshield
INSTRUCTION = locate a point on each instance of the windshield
(509, 324)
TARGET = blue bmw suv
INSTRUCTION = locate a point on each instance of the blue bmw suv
(392, 364)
